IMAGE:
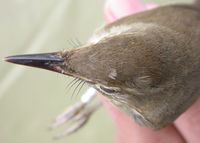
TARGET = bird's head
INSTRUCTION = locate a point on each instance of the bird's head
(137, 68)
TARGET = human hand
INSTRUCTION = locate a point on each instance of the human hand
(185, 129)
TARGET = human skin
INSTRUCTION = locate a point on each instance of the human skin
(185, 129)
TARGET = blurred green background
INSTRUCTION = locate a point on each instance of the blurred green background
(31, 98)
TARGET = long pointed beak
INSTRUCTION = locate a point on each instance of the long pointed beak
(49, 61)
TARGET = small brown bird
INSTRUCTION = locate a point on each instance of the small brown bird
(148, 64)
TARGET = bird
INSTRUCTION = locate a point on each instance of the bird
(147, 64)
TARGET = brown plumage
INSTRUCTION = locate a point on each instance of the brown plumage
(148, 64)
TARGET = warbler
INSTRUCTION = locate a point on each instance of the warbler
(147, 64)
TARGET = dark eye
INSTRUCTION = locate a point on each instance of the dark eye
(109, 90)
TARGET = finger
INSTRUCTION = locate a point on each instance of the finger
(129, 132)
(189, 123)
(115, 9)
(151, 6)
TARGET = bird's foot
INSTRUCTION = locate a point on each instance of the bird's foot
(77, 115)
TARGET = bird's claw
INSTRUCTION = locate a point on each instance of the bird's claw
(77, 115)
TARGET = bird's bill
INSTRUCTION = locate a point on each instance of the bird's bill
(48, 61)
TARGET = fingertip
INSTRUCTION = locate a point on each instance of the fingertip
(115, 9)
(151, 6)
(108, 13)
(189, 123)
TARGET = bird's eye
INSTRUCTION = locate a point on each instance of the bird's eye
(109, 89)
